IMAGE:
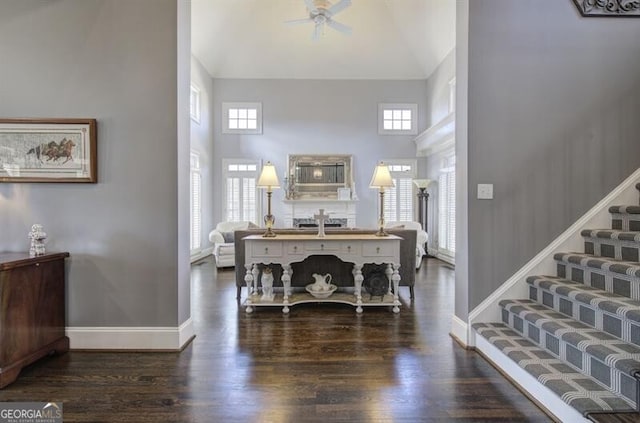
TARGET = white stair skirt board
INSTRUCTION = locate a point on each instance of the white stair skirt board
(202, 254)
(543, 263)
(130, 338)
(459, 330)
(517, 375)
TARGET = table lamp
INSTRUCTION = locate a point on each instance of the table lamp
(381, 179)
(269, 180)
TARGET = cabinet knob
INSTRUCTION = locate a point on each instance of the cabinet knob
(349, 248)
(266, 250)
(37, 264)
(295, 248)
(322, 246)
(378, 250)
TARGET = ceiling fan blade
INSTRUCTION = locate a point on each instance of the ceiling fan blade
(298, 21)
(316, 32)
(311, 6)
(338, 26)
(339, 7)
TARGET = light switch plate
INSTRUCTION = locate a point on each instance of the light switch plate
(485, 191)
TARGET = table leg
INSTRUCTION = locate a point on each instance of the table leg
(396, 288)
(389, 272)
(256, 272)
(286, 283)
(248, 279)
(357, 279)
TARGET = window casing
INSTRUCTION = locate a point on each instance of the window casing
(397, 118)
(240, 191)
(194, 104)
(242, 118)
(196, 203)
(447, 206)
(399, 200)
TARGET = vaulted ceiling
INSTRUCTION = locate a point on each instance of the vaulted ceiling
(391, 39)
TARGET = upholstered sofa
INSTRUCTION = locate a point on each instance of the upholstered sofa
(222, 239)
(340, 270)
(421, 237)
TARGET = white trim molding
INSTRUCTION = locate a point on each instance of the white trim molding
(542, 396)
(131, 338)
(459, 330)
(201, 254)
(543, 263)
(438, 137)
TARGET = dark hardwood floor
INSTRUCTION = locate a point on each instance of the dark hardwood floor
(321, 363)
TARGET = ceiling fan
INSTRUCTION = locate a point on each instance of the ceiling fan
(321, 12)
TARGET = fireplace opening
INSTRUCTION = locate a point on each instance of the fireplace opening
(312, 223)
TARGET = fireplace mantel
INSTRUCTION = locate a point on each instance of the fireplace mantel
(306, 208)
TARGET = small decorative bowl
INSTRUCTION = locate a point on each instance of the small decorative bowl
(321, 294)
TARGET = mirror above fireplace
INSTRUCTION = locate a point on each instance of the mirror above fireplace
(319, 176)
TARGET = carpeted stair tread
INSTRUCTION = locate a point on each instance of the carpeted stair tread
(610, 350)
(623, 267)
(580, 391)
(611, 234)
(624, 209)
(615, 304)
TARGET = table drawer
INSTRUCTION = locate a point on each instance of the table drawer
(377, 250)
(319, 246)
(266, 249)
(351, 248)
(295, 248)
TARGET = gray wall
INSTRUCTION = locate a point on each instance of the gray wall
(202, 142)
(114, 61)
(317, 117)
(553, 123)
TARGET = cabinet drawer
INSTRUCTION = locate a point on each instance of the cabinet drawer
(295, 248)
(321, 246)
(266, 249)
(351, 248)
(377, 250)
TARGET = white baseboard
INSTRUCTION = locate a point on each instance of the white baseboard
(459, 330)
(202, 254)
(520, 377)
(131, 338)
(543, 263)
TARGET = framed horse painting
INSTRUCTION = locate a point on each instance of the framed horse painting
(48, 150)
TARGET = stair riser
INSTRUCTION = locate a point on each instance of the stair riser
(612, 378)
(612, 324)
(625, 222)
(612, 248)
(625, 285)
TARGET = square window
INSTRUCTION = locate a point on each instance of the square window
(242, 118)
(397, 118)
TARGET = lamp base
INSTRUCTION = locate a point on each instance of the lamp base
(381, 232)
(269, 234)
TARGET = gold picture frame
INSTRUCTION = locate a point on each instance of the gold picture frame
(48, 150)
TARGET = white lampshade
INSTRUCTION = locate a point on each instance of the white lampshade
(422, 183)
(381, 177)
(268, 177)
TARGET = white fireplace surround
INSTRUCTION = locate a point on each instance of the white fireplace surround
(305, 209)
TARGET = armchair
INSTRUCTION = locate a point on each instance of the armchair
(223, 243)
(421, 237)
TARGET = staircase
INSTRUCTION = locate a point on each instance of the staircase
(578, 333)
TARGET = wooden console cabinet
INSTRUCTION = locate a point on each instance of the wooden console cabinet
(32, 313)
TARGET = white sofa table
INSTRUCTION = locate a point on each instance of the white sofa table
(358, 249)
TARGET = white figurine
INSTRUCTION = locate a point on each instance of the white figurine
(37, 236)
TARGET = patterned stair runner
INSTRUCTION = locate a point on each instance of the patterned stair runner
(578, 333)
